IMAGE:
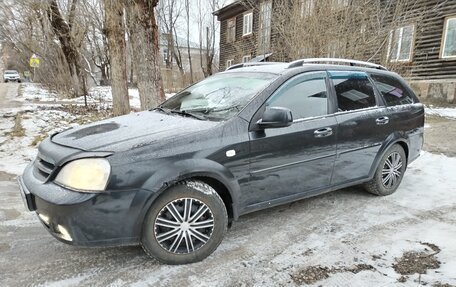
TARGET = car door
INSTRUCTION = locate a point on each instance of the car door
(363, 125)
(297, 159)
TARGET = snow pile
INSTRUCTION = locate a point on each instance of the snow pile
(17, 152)
(442, 112)
(36, 92)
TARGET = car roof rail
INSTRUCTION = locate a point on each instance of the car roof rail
(251, 64)
(348, 62)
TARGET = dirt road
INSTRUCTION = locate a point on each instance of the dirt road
(344, 238)
(8, 92)
(440, 136)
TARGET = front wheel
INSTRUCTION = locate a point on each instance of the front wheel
(390, 172)
(185, 224)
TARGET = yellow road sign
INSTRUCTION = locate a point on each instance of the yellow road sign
(34, 61)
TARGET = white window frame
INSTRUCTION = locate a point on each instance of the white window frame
(246, 58)
(343, 3)
(228, 39)
(444, 38)
(229, 63)
(247, 24)
(265, 26)
(165, 55)
(307, 7)
(399, 43)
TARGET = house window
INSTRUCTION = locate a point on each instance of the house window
(307, 7)
(401, 44)
(449, 38)
(165, 55)
(342, 3)
(246, 58)
(231, 30)
(334, 49)
(265, 26)
(229, 63)
(247, 25)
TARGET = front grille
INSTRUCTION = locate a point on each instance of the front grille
(43, 168)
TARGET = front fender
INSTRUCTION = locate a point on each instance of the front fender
(181, 170)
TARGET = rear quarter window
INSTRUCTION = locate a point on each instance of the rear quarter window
(392, 90)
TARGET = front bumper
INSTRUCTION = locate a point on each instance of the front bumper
(86, 219)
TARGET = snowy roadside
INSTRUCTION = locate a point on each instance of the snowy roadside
(43, 113)
(441, 112)
(100, 96)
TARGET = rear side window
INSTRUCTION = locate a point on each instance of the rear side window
(392, 90)
(354, 90)
(305, 95)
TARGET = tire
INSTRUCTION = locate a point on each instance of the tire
(385, 180)
(201, 232)
(6, 81)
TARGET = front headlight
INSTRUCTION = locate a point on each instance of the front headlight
(87, 174)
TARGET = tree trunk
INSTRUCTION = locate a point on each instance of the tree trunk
(115, 30)
(187, 11)
(144, 39)
(63, 31)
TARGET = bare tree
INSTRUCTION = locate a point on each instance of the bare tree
(207, 26)
(144, 38)
(115, 31)
(65, 31)
(187, 14)
(169, 12)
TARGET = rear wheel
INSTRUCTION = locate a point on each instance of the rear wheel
(185, 224)
(390, 172)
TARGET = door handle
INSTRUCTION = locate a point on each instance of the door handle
(382, 121)
(321, 133)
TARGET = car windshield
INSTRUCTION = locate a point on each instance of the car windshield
(10, 72)
(220, 96)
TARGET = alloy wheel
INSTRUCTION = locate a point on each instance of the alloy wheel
(391, 172)
(184, 225)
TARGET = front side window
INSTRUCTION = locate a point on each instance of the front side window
(449, 38)
(401, 44)
(305, 95)
(354, 91)
(392, 90)
(231, 30)
(247, 25)
(221, 96)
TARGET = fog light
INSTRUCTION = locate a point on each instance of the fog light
(44, 218)
(64, 234)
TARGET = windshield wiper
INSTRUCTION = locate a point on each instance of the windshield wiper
(185, 113)
(161, 109)
(222, 109)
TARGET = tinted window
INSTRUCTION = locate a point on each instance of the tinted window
(392, 90)
(305, 95)
(354, 90)
(221, 96)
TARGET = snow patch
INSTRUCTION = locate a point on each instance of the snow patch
(442, 112)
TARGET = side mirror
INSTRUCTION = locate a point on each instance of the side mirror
(275, 117)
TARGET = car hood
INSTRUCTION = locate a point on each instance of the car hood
(129, 131)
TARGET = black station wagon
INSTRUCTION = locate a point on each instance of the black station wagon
(257, 135)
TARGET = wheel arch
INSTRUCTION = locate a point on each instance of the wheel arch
(210, 172)
(392, 140)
